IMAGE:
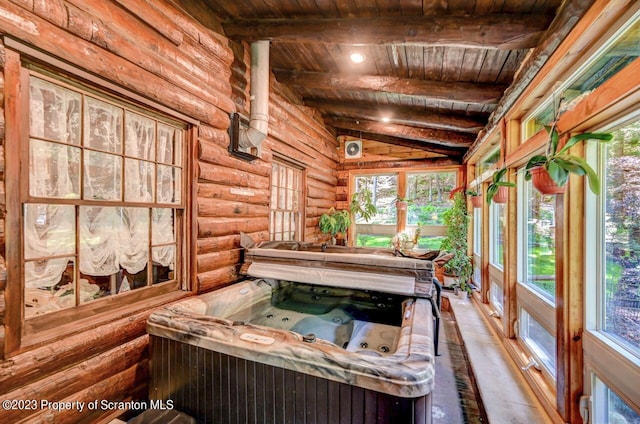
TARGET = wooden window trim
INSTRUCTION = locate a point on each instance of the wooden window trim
(21, 335)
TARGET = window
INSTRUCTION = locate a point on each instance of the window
(379, 231)
(477, 231)
(608, 407)
(539, 341)
(619, 235)
(477, 247)
(103, 202)
(428, 197)
(611, 58)
(613, 282)
(496, 296)
(489, 161)
(538, 249)
(496, 234)
(287, 195)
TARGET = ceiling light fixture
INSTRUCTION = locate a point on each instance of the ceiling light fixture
(386, 119)
(357, 57)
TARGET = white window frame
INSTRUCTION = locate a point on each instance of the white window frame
(493, 223)
(547, 372)
(524, 196)
(477, 231)
(600, 349)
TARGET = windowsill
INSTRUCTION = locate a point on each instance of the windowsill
(33, 340)
(505, 394)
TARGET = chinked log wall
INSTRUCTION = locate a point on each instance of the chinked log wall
(157, 50)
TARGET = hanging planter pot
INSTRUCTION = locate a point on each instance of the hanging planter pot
(476, 201)
(497, 191)
(501, 195)
(543, 182)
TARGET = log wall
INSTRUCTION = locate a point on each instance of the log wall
(159, 51)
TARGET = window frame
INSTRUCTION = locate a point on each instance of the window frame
(493, 223)
(525, 189)
(20, 61)
(300, 222)
(600, 349)
(401, 216)
(367, 228)
(549, 374)
(428, 230)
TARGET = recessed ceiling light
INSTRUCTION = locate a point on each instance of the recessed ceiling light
(386, 119)
(357, 57)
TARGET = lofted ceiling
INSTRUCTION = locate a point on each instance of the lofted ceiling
(436, 69)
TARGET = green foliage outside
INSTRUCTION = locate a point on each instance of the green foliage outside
(382, 241)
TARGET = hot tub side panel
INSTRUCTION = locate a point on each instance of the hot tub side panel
(219, 388)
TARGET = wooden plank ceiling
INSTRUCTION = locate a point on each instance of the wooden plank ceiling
(435, 69)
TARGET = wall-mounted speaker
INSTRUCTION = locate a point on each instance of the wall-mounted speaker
(353, 149)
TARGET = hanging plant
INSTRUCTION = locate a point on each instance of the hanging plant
(362, 204)
(498, 188)
(556, 165)
(476, 196)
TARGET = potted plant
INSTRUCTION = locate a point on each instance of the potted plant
(457, 221)
(497, 189)
(550, 172)
(474, 194)
(336, 223)
(476, 198)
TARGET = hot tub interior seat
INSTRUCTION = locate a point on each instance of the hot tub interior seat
(358, 321)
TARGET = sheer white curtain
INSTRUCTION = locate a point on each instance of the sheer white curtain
(163, 233)
(110, 237)
(49, 230)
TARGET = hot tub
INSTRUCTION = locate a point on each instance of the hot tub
(272, 350)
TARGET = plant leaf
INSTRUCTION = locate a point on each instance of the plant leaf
(557, 173)
(537, 160)
(499, 174)
(492, 189)
(603, 137)
(592, 177)
(567, 162)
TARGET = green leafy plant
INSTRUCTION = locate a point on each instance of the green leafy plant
(496, 183)
(559, 163)
(457, 221)
(334, 221)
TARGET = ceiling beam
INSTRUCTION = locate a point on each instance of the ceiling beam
(498, 31)
(405, 115)
(403, 142)
(437, 137)
(409, 163)
(433, 90)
